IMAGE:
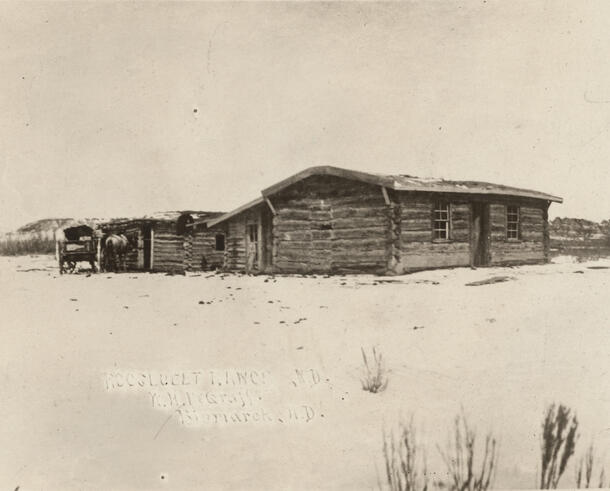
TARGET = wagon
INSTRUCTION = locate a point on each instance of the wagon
(75, 244)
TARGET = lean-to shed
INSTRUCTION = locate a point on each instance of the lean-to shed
(332, 220)
(160, 242)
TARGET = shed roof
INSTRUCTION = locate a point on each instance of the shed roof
(166, 216)
(397, 182)
(236, 211)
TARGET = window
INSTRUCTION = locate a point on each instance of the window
(441, 220)
(220, 242)
(253, 233)
(512, 222)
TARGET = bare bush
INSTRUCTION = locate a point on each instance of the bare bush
(584, 471)
(558, 442)
(465, 471)
(375, 377)
(23, 246)
(405, 460)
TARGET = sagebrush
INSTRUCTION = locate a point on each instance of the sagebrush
(375, 378)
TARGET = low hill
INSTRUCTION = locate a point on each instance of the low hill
(579, 231)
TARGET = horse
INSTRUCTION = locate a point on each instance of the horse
(115, 248)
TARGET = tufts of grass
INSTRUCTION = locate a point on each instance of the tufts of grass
(375, 377)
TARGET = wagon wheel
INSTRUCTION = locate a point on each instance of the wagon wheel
(69, 266)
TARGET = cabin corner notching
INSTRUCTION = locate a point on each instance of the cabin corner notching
(332, 220)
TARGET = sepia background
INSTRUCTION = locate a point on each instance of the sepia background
(118, 109)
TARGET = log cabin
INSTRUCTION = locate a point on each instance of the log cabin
(332, 220)
(161, 242)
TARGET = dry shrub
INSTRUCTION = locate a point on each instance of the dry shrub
(558, 442)
(375, 378)
(466, 472)
(584, 471)
(24, 246)
(405, 460)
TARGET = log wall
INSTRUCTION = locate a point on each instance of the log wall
(530, 247)
(417, 247)
(235, 254)
(204, 255)
(327, 224)
(168, 248)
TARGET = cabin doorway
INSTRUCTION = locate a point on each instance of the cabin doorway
(480, 234)
(147, 246)
(252, 252)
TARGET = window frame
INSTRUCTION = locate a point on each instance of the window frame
(441, 206)
(224, 242)
(513, 233)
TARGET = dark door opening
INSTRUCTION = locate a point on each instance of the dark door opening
(147, 235)
(480, 234)
(252, 256)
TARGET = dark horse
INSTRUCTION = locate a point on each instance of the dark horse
(116, 247)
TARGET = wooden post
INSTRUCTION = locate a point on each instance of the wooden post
(140, 249)
(152, 247)
(259, 246)
(386, 198)
(546, 238)
(393, 233)
(270, 206)
(98, 253)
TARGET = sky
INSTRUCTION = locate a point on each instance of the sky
(122, 109)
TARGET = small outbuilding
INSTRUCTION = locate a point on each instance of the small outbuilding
(160, 242)
(332, 220)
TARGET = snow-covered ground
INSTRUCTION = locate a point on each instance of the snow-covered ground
(203, 381)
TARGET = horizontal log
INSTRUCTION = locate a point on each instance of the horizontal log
(301, 235)
(325, 245)
(361, 243)
(358, 222)
(321, 215)
(322, 234)
(432, 247)
(282, 225)
(349, 212)
(410, 214)
(292, 214)
(361, 233)
(431, 260)
(294, 244)
(359, 255)
(460, 224)
(416, 235)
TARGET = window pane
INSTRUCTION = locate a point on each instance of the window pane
(512, 222)
(440, 225)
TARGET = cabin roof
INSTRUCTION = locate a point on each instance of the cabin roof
(165, 216)
(236, 211)
(397, 182)
(405, 182)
